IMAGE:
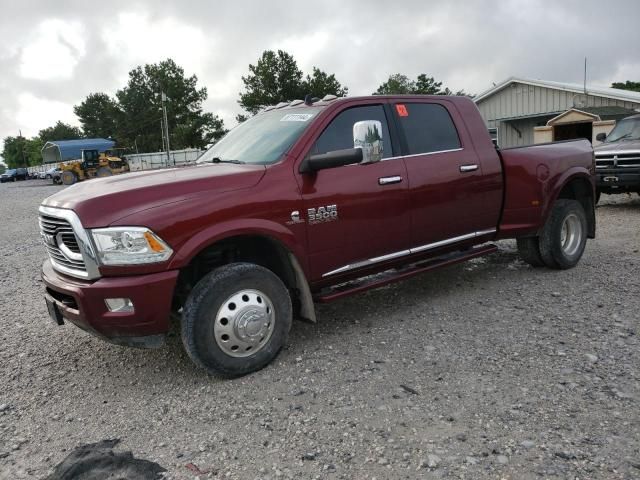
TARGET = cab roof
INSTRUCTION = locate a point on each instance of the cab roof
(329, 99)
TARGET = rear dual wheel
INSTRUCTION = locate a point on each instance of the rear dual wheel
(529, 250)
(236, 319)
(562, 240)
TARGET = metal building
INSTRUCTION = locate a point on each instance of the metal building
(155, 160)
(515, 108)
(56, 151)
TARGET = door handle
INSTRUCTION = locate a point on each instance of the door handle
(389, 180)
(468, 168)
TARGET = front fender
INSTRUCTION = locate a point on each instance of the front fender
(233, 228)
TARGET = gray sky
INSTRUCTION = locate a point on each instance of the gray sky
(53, 54)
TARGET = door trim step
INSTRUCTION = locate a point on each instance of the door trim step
(391, 276)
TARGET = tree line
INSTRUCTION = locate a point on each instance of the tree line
(132, 117)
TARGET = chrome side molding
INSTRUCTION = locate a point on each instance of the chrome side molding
(403, 253)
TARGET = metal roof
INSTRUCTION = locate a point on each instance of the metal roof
(61, 150)
(609, 112)
(616, 93)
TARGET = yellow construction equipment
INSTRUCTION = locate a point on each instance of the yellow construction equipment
(92, 165)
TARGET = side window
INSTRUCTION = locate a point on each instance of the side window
(427, 127)
(339, 133)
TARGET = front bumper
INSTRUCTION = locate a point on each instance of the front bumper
(618, 179)
(82, 303)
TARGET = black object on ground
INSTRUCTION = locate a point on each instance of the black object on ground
(98, 461)
(409, 390)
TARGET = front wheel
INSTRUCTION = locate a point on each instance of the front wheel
(236, 319)
(103, 172)
(68, 177)
(564, 236)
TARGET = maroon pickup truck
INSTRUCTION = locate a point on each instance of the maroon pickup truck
(305, 202)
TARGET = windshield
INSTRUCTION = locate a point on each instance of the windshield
(263, 139)
(629, 128)
(10, 172)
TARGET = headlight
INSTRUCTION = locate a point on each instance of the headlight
(129, 246)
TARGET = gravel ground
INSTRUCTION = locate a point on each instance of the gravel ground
(489, 369)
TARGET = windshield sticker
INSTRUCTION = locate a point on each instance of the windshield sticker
(297, 117)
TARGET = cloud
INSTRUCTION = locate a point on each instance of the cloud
(53, 54)
(304, 48)
(34, 113)
(137, 38)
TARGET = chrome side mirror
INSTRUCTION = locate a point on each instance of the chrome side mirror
(367, 135)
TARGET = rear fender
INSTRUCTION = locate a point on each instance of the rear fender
(574, 174)
(534, 179)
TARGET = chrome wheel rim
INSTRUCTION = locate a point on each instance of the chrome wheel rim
(571, 234)
(244, 323)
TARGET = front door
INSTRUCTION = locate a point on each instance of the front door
(355, 214)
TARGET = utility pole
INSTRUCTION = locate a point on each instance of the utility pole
(162, 133)
(24, 163)
(166, 127)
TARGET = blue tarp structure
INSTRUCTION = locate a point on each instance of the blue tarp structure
(62, 150)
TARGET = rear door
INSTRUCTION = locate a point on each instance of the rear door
(447, 190)
(355, 214)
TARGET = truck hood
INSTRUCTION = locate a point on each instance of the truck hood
(623, 146)
(101, 201)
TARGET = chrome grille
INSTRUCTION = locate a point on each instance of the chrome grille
(622, 160)
(604, 162)
(58, 235)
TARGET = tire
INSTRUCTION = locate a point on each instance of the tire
(564, 236)
(529, 250)
(103, 172)
(68, 177)
(213, 323)
(598, 194)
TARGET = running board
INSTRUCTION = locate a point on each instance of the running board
(391, 276)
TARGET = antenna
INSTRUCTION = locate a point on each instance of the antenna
(585, 75)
